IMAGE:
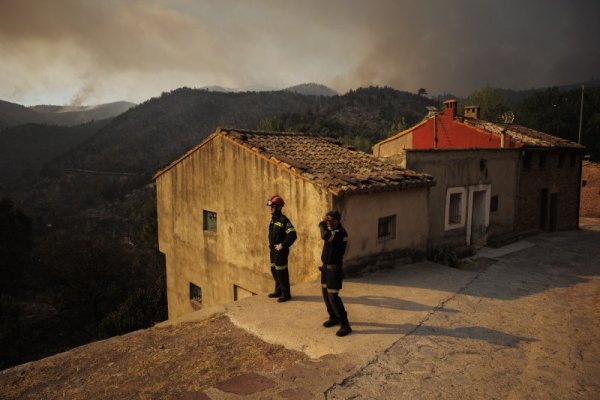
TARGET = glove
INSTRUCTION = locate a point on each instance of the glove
(278, 247)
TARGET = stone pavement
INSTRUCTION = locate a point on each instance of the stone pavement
(524, 324)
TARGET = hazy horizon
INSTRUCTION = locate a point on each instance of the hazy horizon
(73, 52)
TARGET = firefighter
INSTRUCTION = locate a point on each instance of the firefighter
(335, 240)
(282, 235)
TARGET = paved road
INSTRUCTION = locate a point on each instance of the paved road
(527, 326)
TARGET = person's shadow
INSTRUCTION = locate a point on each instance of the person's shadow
(380, 301)
(465, 332)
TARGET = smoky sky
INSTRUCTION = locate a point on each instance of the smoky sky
(85, 52)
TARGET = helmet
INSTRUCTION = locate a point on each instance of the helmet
(334, 215)
(276, 201)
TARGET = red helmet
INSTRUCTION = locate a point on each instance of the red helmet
(276, 201)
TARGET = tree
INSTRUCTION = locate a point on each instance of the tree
(271, 124)
(492, 102)
(15, 246)
(422, 92)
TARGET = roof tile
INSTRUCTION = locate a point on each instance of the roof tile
(328, 163)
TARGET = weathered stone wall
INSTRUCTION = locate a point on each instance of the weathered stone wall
(590, 190)
(563, 180)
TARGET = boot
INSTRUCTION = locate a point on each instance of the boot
(345, 329)
(333, 319)
(331, 322)
(277, 291)
(284, 281)
(340, 312)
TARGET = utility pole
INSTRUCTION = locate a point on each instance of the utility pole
(580, 114)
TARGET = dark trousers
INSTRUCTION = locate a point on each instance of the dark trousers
(280, 273)
(331, 284)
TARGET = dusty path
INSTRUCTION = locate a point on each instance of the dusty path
(527, 326)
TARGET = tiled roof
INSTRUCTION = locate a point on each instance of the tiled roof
(528, 137)
(325, 161)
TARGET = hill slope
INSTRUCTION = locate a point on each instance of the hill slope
(24, 149)
(12, 114)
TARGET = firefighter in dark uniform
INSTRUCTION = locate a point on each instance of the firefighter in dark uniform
(282, 235)
(335, 240)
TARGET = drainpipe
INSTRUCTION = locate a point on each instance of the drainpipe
(435, 138)
(503, 139)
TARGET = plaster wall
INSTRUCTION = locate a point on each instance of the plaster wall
(454, 134)
(228, 179)
(466, 169)
(393, 146)
(361, 214)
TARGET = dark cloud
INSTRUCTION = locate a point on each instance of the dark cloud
(132, 49)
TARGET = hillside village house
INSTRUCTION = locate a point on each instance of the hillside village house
(590, 190)
(212, 218)
(493, 179)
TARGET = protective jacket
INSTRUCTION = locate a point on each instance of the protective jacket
(281, 231)
(334, 244)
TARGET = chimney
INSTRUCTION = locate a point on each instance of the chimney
(472, 112)
(450, 109)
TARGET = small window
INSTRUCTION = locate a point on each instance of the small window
(583, 183)
(561, 160)
(494, 203)
(527, 161)
(195, 296)
(209, 221)
(387, 228)
(542, 160)
(455, 208)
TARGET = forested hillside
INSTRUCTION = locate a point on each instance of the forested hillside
(81, 258)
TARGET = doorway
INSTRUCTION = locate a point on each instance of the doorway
(544, 209)
(478, 215)
(553, 212)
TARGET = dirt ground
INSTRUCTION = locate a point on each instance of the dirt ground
(155, 363)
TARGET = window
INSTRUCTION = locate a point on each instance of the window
(561, 160)
(386, 228)
(209, 221)
(195, 296)
(456, 202)
(583, 183)
(494, 203)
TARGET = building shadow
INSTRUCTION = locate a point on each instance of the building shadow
(557, 260)
(466, 332)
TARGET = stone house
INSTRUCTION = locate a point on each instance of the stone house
(473, 202)
(511, 179)
(212, 217)
(590, 189)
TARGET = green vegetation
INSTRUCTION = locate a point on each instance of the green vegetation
(492, 101)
